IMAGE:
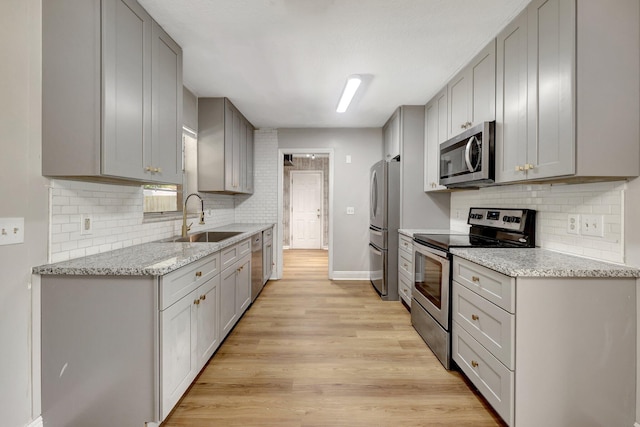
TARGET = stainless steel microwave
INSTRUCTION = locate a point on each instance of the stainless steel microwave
(467, 160)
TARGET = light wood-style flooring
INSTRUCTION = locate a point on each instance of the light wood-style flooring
(312, 352)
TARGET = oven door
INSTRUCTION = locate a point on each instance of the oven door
(431, 285)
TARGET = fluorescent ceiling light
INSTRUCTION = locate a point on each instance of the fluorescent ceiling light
(353, 82)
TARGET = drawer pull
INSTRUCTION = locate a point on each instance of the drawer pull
(203, 297)
(198, 273)
(475, 278)
(196, 302)
(474, 317)
(474, 363)
(405, 266)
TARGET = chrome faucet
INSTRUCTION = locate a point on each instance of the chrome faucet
(185, 227)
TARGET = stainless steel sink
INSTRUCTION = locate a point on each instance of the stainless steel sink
(205, 237)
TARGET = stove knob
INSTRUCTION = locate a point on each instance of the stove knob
(516, 219)
(506, 219)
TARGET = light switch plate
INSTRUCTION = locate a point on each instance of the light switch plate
(11, 231)
(592, 225)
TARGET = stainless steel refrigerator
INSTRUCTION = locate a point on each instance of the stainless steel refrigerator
(384, 219)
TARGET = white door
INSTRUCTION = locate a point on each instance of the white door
(306, 209)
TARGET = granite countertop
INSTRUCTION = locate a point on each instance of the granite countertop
(148, 259)
(538, 262)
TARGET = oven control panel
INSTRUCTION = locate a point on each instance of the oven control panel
(509, 219)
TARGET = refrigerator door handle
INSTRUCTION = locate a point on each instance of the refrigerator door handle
(374, 250)
(376, 232)
(374, 194)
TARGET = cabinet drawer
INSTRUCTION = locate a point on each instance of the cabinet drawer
(180, 282)
(404, 288)
(405, 243)
(496, 287)
(490, 325)
(244, 247)
(228, 256)
(267, 234)
(492, 378)
(405, 264)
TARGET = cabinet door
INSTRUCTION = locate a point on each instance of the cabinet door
(482, 73)
(177, 350)
(126, 60)
(164, 162)
(435, 133)
(459, 92)
(228, 301)
(551, 122)
(511, 101)
(242, 158)
(249, 160)
(229, 114)
(243, 284)
(392, 136)
(207, 320)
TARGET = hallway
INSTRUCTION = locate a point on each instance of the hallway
(312, 352)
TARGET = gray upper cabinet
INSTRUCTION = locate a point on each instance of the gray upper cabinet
(581, 92)
(435, 133)
(167, 106)
(225, 148)
(112, 103)
(391, 134)
(472, 92)
(511, 101)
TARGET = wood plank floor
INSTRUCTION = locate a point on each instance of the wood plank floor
(312, 352)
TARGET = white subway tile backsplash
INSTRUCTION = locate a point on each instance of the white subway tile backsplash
(553, 203)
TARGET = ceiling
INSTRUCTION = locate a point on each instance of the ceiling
(284, 63)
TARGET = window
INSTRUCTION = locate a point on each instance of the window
(168, 199)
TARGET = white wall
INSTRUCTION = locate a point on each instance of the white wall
(351, 187)
(23, 194)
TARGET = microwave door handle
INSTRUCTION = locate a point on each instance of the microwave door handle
(467, 154)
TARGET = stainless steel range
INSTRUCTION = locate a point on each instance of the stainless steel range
(430, 304)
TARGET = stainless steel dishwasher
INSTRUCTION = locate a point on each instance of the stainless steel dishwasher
(256, 265)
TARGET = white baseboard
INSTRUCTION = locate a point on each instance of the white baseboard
(36, 423)
(350, 275)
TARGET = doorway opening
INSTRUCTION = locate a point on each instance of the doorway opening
(305, 178)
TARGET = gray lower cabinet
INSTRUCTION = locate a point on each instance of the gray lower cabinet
(225, 148)
(122, 350)
(564, 344)
(567, 99)
(112, 104)
(235, 285)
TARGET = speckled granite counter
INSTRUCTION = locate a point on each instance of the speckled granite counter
(537, 262)
(148, 259)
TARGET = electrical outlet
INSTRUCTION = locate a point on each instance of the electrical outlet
(573, 224)
(592, 225)
(86, 224)
(11, 231)
(351, 211)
